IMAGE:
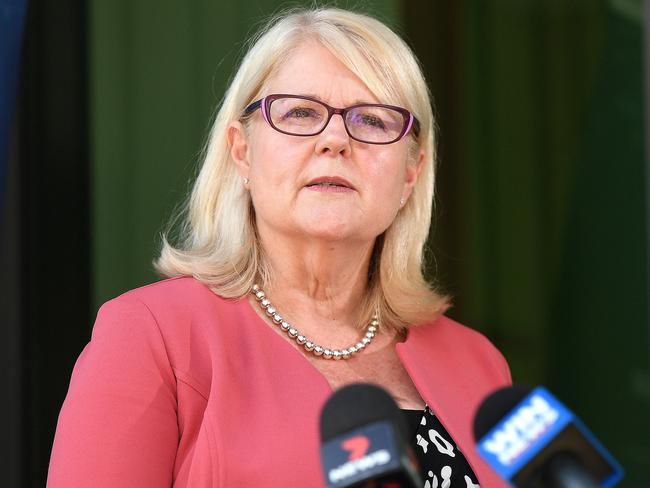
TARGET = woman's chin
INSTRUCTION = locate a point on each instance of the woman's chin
(344, 225)
(330, 229)
(333, 232)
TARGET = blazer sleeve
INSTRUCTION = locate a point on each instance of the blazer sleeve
(118, 424)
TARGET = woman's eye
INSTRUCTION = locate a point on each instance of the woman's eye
(301, 113)
(372, 121)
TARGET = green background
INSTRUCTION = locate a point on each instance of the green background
(540, 227)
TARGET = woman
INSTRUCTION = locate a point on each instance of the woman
(299, 271)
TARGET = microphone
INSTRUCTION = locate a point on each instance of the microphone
(533, 441)
(363, 441)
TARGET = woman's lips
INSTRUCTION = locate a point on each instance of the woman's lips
(331, 184)
(329, 188)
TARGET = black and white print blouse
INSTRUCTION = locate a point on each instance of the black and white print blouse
(442, 465)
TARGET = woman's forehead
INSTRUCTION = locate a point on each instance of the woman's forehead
(312, 70)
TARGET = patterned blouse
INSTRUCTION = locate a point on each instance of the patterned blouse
(442, 465)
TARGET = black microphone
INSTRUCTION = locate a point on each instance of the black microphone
(533, 441)
(364, 441)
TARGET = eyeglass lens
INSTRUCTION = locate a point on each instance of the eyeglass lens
(366, 123)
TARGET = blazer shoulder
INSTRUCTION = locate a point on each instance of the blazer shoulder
(185, 316)
(177, 298)
(454, 330)
(178, 288)
(449, 335)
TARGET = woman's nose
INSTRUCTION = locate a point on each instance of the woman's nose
(334, 139)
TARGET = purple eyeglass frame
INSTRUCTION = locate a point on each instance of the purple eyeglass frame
(410, 121)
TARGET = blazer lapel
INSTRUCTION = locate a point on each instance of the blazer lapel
(450, 376)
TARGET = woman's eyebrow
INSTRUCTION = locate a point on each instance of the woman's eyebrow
(356, 101)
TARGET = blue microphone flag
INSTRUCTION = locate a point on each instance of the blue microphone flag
(519, 443)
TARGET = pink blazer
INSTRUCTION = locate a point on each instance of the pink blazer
(179, 387)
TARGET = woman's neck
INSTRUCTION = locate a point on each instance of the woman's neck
(327, 280)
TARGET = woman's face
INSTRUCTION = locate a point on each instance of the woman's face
(289, 174)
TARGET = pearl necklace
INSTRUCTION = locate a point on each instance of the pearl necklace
(293, 333)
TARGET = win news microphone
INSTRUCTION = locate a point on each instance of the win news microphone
(363, 441)
(533, 441)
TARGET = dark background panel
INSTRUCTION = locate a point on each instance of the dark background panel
(12, 23)
(45, 233)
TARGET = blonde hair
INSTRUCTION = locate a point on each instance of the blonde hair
(218, 244)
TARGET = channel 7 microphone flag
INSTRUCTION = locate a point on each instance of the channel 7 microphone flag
(364, 441)
(531, 440)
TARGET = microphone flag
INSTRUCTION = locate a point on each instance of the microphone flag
(535, 430)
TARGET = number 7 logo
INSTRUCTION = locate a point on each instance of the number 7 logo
(356, 446)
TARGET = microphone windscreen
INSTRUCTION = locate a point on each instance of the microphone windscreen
(356, 405)
(495, 406)
(364, 440)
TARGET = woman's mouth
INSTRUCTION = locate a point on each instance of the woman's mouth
(330, 184)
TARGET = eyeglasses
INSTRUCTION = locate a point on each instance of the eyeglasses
(370, 123)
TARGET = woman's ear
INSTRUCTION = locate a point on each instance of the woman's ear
(413, 169)
(239, 147)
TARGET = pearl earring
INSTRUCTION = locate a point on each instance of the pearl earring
(246, 180)
(401, 201)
